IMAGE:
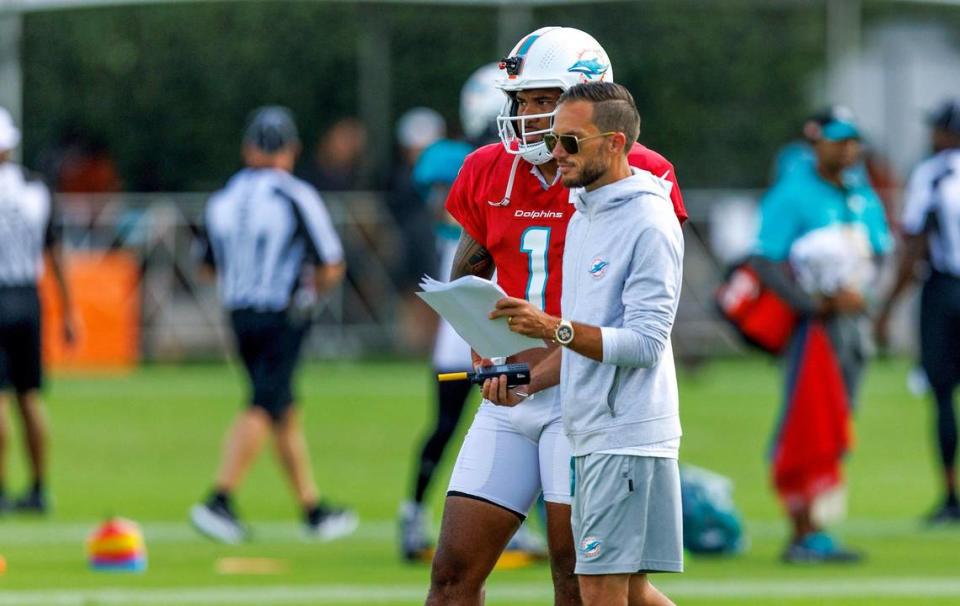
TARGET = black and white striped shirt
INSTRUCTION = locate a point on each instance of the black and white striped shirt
(933, 206)
(263, 227)
(25, 226)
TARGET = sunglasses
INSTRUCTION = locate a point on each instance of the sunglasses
(570, 143)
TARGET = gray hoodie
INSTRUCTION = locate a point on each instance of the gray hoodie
(622, 270)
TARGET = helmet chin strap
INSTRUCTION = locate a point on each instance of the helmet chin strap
(513, 173)
(537, 154)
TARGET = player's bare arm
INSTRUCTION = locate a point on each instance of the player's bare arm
(55, 256)
(471, 259)
(915, 248)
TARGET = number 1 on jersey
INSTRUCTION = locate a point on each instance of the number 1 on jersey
(535, 241)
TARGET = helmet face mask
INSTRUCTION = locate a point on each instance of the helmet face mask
(519, 136)
(548, 58)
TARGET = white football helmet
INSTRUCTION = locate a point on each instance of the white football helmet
(551, 57)
(480, 104)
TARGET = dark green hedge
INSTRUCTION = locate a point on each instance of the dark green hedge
(720, 84)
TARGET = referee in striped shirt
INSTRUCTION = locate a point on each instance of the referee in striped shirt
(26, 234)
(931, 227)
(265, 231)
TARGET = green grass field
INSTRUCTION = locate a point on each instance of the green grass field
(144, 446)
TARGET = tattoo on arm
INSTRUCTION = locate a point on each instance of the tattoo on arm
(471, 259)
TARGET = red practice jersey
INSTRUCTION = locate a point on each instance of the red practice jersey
(525, 234)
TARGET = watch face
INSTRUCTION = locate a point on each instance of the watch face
(565, 333)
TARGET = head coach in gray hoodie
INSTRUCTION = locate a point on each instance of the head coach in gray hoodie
(622, 269)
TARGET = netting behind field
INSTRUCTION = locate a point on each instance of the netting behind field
(370, 314)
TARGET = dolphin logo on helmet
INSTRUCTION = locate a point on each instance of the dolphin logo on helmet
(550, 57)
(591, 68)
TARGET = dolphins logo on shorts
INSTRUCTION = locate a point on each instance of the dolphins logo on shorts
(591, 547)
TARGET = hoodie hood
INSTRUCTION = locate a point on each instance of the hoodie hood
(618, 192)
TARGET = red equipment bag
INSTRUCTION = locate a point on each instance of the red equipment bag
(761, 317)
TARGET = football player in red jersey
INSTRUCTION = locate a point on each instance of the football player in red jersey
(514, 212)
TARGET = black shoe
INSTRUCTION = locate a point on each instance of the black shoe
(948, 513)
(35, 502)
(218, 522)
(326, 522)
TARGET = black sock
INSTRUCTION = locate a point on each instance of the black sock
(947, 438)
(37, 488)
(451, 398)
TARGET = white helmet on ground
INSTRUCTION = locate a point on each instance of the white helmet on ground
(480, 104)
(551, 57)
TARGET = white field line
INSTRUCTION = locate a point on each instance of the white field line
(743, 589)
(53, 533)
(39, 532)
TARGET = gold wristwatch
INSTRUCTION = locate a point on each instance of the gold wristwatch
(563, 334)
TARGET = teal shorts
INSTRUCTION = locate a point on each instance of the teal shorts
(627, 516)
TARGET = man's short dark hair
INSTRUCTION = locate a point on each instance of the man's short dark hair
(613, 108)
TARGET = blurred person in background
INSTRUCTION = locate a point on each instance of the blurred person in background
(416, 130)
(872, 168)
(822, 230)
(27, 233)
(415, 255)
(434, 173)
(264, 229)
(514, 213)
(931, 229)
(86, 166)
(336, 161)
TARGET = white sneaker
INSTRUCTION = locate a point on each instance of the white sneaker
(415, 543)
(217, 523)
(333, 523)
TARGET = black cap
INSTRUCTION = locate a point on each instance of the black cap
(271, 128)
(947, 116)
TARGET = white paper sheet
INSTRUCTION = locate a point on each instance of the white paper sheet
(466, 304)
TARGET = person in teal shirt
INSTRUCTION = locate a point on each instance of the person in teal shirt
(822, 231)
(798, 155)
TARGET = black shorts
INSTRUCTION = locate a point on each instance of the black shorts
(940, 330)
(20, 359)
(269, 345)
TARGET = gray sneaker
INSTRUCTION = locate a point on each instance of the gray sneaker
(331, 523)
(218, 523)
(415, 544)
